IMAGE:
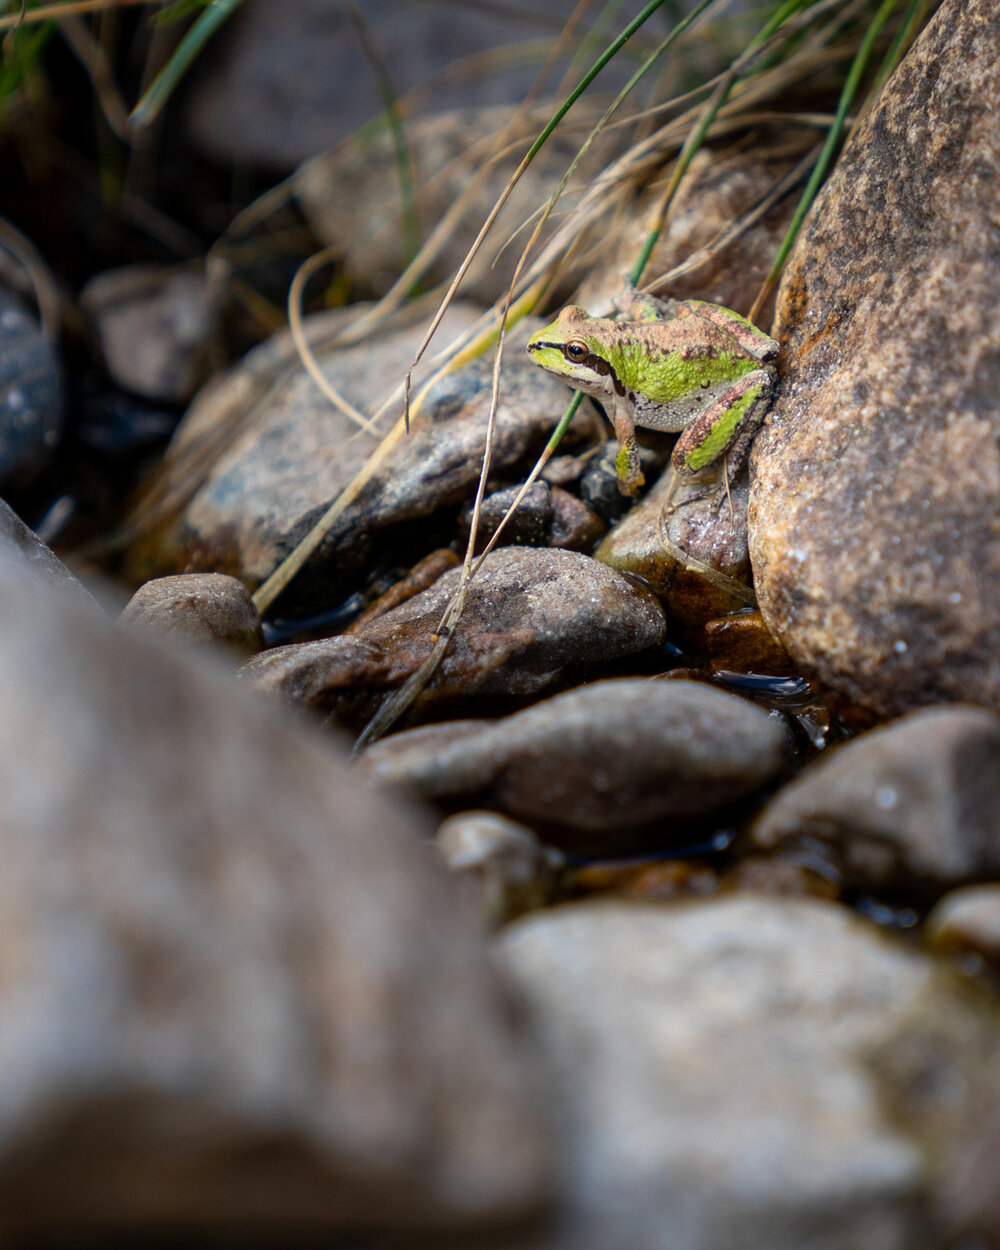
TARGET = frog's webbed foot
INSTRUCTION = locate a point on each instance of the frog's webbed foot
(704, 486)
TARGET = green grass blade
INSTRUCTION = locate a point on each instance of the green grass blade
(162, 86)
(847, 94)
(913, 20)
(609, 52)
(701, 128)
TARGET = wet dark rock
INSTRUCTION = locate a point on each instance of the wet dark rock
(967, 921)
(600, 768)
(918, 800)
(31, 396)
(873, 519)
(738, 1073)
(17, 541)
(198, 607)
(527, 527)
(423, 575)
(533, 619)
(152, 323)
(504, 869)
(742, 643)
(701, 527)
(574, 525)
(239, 994)
(547, 516)
(599, 484)
(280, 454)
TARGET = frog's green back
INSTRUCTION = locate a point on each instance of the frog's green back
(700, 357)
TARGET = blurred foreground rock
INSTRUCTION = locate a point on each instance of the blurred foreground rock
(18, 541)
(237, 993)
(748, 1074)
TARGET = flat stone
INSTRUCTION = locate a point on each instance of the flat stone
(262, 454)
(198, 607)
(740, 1072)
(917, 800)
(533, 618)
(503, 868)
(239, 992)
(599, 768)
(875, 477)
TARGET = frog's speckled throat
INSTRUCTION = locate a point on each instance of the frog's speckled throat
(593, 361)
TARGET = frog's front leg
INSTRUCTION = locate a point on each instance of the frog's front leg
(630, 476)
(728, 426)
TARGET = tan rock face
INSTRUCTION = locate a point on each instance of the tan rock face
(874, 533)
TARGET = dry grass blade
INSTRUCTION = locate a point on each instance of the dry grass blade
(283, 575)
(50, 12)
(526, 160)
(305, 271)
(94, 60)
(453, 357)
(732, 232)
(41, 280)
(399, 702)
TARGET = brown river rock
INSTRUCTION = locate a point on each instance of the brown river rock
(874, 529)
(534, 619)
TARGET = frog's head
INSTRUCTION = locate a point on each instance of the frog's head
(573, 349)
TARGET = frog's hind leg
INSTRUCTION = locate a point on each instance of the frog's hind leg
(726, 428)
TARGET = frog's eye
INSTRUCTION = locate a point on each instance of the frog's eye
(576, 351)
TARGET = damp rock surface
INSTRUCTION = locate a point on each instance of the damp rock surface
(916, 800)
(198, 607)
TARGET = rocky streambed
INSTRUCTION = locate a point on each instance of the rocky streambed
(660, 919)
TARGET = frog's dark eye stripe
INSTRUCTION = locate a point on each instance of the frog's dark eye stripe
(590, 360)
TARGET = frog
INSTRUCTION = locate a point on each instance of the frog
(683, 366)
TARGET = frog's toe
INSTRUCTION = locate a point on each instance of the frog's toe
(630, 475)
